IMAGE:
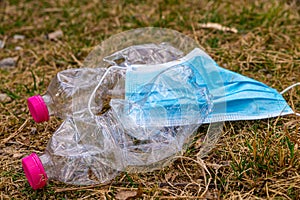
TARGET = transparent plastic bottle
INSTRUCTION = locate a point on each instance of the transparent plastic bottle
(68, 160)
(76, 170)
(85, 152)
(59, 98)
(69, 88)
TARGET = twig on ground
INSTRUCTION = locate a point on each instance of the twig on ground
(76, 60)
(218, 27)
(4, 141)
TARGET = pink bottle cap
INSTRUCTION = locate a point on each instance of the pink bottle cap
(34, 171)
(38, 108)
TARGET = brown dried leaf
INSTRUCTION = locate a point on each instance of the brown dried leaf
(55, 35)
(126, 194)
(18, 155)
(19, 37)
(4, 98)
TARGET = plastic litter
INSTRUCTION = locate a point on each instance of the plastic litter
(105, 127)
(66, 89)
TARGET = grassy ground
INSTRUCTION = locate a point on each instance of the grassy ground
(252, 160)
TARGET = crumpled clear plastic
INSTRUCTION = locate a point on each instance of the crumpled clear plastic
(109, 139)
(113, 129)
(144, 54)
(137, 144)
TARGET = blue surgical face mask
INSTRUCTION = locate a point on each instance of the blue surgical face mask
(192, 90)
(171, 98)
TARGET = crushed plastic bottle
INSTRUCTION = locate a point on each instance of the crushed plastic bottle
(66, 160)
(96, 157)
(59, 100)
(62, 92)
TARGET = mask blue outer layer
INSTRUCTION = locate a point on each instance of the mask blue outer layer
(235, 97)
(166, 95)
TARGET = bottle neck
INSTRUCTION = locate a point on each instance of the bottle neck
(49, 103)
(48, 165)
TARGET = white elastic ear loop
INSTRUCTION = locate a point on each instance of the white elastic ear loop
(100, 82)
(287, 89)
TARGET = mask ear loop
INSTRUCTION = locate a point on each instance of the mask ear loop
(100, 82)
(287, 89)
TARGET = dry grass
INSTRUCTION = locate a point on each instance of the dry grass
(252, 160)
